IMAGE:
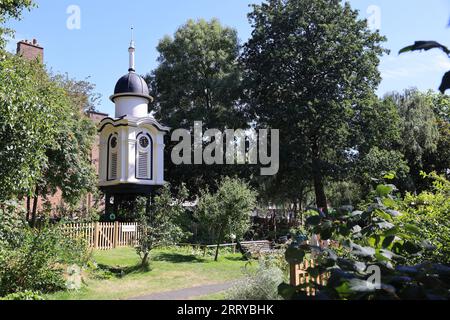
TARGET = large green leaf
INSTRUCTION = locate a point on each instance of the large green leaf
(384, 190)
(383, 215)
(413, 229)
(390, 176)
(388, 241)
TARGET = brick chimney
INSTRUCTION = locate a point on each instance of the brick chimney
(30, 50)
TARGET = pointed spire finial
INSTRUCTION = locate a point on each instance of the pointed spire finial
(132, 37)
(131, 50)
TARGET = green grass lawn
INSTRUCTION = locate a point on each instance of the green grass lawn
(171, 269)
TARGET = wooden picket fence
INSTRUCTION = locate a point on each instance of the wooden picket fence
(299, 276)
(104, 235)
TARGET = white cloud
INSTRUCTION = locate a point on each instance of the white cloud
(443, 63)
(414, 64)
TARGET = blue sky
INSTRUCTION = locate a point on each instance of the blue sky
(99, 48)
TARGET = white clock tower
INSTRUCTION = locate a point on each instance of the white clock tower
(131, 143)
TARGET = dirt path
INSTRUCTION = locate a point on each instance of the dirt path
(188, 293)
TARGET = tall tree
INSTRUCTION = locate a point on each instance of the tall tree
(307, 65)
(31, 105)
(439, 161)
(45, 138)
(68, 167)
(419, 131)
(376, 137)
(81, 92)
(198, 79)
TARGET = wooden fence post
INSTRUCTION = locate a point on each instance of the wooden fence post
(96, 235)
(116, 234)
(294, 275)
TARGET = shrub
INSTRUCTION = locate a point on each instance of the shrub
(227, 211)
(261, 284)
(25, 295)
(34, 259)
(12, 222)
(31, 266)
(370, 256)
(430, 212)
(160, 225)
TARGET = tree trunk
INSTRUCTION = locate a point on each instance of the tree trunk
(145, 263)
(28, 208)
(218, 246)
(34, 211)
(321, 198)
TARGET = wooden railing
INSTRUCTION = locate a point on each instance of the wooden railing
(299, 276)
(104, 235)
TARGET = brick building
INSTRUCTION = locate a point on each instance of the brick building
(30, 50)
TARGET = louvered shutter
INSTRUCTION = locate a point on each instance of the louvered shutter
(114, 165)
(143, 165)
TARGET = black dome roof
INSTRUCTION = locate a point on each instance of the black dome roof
(132, 83)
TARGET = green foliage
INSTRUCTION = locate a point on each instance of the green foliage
(81, 92)
(12, 222)
(344, 193)
(68, 167)
(259, 284)
(439, 161)
(34, 259)
(160, 224)
(377, 239)
(420, 133)
(11, 9)
(377, 162)
(419, 129)
(377, 123)
(308, 67)
(198, 79)
(37, 263)
(227, 211)
(31, 106)
(45, 138)
(430, 213)
(25, 295)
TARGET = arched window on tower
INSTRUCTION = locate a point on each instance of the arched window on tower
(144, 152)
(113, 157)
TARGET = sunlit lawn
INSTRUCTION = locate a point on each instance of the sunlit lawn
(171, 269)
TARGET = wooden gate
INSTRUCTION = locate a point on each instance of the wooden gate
(104, 235)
